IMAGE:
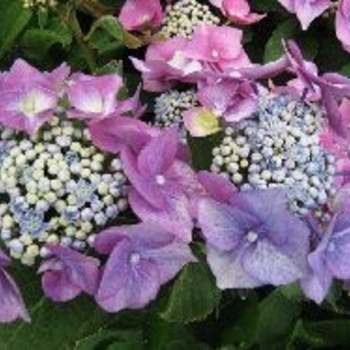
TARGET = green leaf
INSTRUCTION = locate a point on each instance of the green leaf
(112, 340)
(37, 42)
(284, 31)
(201, 150)
(194, 295)
(112, 67)
(13, 19)
(292, 292)
(106, 34)
(277, 318)
(346, 70)
(242, 329)
(321, 334)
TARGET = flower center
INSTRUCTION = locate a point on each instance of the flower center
(160, 180)
(215, 54)
(34, 102)
(135, 258)
(252, 236)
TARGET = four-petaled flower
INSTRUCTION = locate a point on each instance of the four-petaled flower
(141, 259)
(162, 184)
(29, 98)
(246, 246)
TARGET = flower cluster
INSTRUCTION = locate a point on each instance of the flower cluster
(57, 189)
(184, 16)
(169, 107)
(272, 206)
(279, 146)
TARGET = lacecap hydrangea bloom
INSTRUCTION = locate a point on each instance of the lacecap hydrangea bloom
(280, 153)
(62, 183)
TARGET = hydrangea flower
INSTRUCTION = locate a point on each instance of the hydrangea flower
(162, 183)
(247, 247)
(331, 259)
(238, 11)
(11, 303)
(93, 98)
(342, 26)
(224, 96)
(306, 10)
(218, 45)
(28, 98)
(184, 16)
(141, 14)
(165, 62)
(141, 259)
(57, 189)
(68, 273)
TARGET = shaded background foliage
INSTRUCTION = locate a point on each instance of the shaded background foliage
(190, 312)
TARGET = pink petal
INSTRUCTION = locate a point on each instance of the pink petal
(218, 187)
(137, 14)
(174, 216)
(115, 133)
(124, 285)
(11, 303)
(159, 154)
(308, 10)
(145, 185)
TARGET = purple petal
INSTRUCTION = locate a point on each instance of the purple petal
(127, 285)
(170, 259)
(307, 11)
(218, 187)
(58, 287)
(317, 282)
(227, 269)
(11, 303)
(337, 254)
(222, 226)
(272, 265)
(145, 185)
(265, 205)
(81, 271)
(159, 154)
(315, 288)
(174, 216)
(115, 133)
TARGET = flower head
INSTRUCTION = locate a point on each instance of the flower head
(247, 246)
(141, 14)
(57, 189)
(161, 182)
(141, 259)
(28, 98)
(219, 45)
(183, 17)
(238, 11)
(93, 98)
